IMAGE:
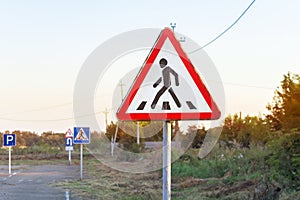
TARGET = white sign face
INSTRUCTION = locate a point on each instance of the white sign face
(185, 92)
(69, 134)
(69, 148)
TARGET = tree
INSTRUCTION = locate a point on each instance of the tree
(244, 131)
(199, 134)
(232, 125)
(285, 108)
(111, 130)
(125, 136)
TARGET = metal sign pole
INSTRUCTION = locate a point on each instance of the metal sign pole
(9, 160)
(166, 160)
(81, 158)
(138, 132)
(115, 138)
(69, 157)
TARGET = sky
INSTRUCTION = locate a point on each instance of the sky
(43, 45)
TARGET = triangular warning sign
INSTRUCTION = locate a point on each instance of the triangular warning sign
(81, 135)
(168, 87)
(69, 134)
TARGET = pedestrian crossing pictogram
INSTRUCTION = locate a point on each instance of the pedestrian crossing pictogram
(166, 105)
(81, 135)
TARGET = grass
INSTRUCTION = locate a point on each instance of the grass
(191, 179)
(31, 162)
(223, 174)
(101, 182)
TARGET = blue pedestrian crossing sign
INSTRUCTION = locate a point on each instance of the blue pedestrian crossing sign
(9, 140)
(81, 135)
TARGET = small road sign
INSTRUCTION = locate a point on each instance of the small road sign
(69, 148)
(168, 87)
(69, 134)
(69, 144)
(9, 140)
(81, 135)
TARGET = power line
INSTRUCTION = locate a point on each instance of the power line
(227, 29)
(38, 109)
(242, 85)
(249, 86)
(106, 111)
(50, 120)
(42, 108)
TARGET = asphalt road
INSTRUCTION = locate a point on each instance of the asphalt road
(32, 182)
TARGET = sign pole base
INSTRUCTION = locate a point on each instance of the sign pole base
(166, 160)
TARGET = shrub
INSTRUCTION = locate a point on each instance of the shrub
(284, 159)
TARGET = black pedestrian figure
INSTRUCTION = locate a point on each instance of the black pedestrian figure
(166, 78)
(81, 135)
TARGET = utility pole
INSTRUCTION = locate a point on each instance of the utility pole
(113, 142)
(121, 86)
(105, 113)
(137, 123)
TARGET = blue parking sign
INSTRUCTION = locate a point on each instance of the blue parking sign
(9, 140)
(81, 135)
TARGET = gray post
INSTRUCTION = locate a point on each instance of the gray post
(166, 160)
(9, 160)
(138, 132)
(112, 146)
(115, 138)
(69, 157)
(81, 158)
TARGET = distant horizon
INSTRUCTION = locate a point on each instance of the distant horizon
(39, 132)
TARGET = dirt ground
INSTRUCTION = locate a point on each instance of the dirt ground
(34, 182)
(102, 182)
(57, 180)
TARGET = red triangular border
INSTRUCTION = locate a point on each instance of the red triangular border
(67, 133)
(121, 113)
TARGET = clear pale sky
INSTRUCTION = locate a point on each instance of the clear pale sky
(44, 43)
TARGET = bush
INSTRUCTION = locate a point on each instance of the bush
(284, 159)
(245, 164)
